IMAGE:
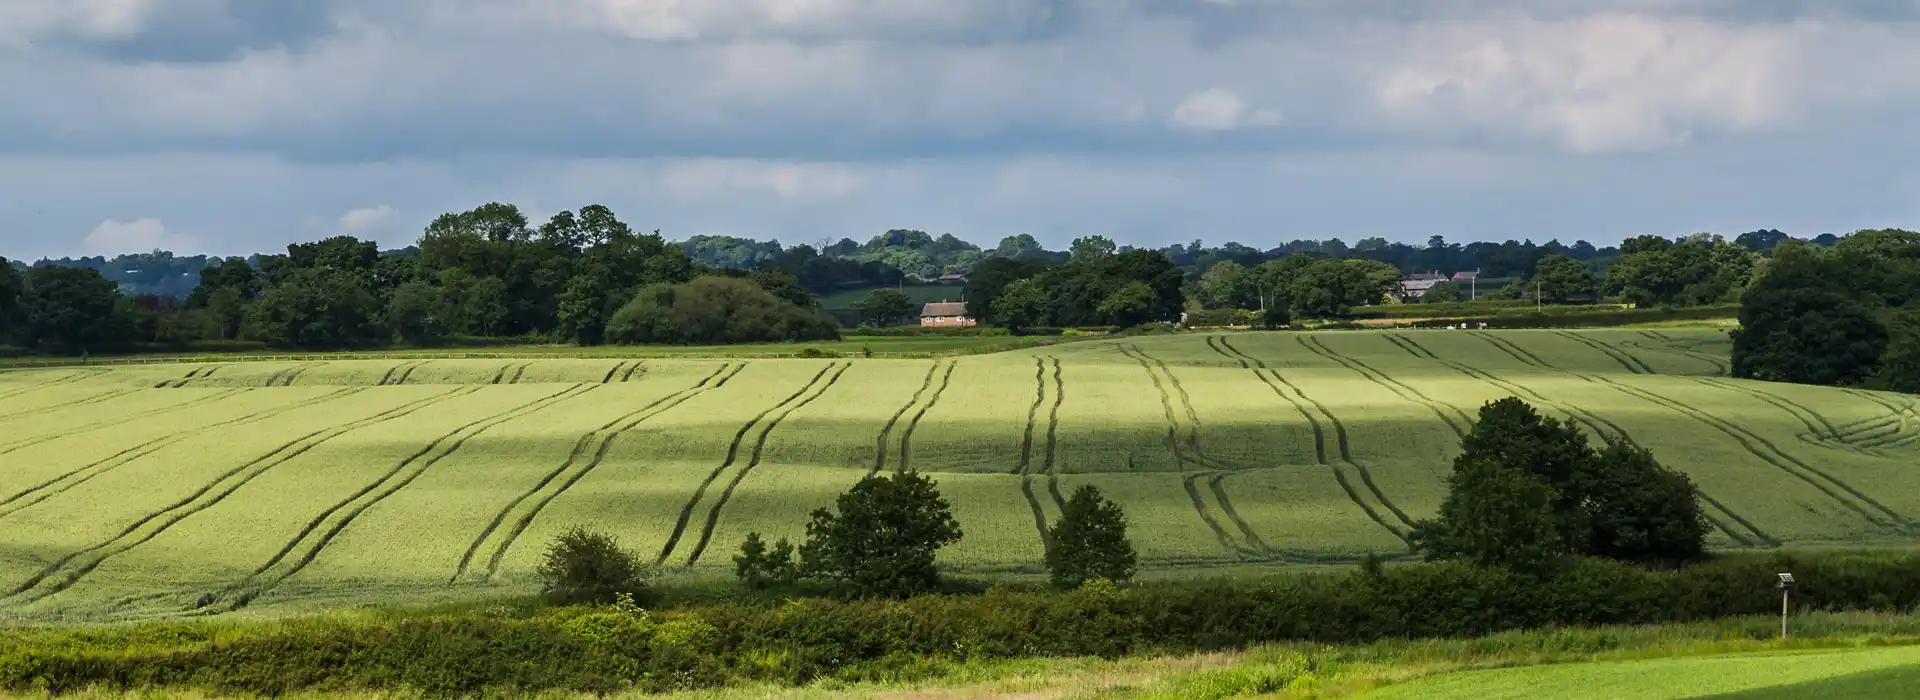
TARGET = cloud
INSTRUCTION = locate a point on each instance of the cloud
(1219, 109)
(115, 237)
(708, 178)
(366, 220)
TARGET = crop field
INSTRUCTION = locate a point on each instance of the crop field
(219, 487)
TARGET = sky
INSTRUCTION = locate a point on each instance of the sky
(238, 126)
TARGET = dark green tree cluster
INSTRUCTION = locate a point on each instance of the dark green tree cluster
(879, 541)
(1844, 316)
(1100, 285)
(1692, 271)
(1527, 492)
(585, 566)
(715, 310)
(885, 307)
(1302, 285)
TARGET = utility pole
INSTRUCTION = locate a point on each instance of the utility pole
(1536, 295)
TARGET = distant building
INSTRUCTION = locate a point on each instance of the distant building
(945, 313)
(1416, 285)
(955, 278)
(1466, 276)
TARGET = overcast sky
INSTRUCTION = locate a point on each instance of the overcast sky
(235, 126)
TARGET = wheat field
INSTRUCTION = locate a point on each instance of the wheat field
(211, 488)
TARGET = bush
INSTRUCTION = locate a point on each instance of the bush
(759, 568)
(1089, 542)
(583, 566)
(715, 310)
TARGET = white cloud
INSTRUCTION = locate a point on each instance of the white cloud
(114, 237)
(366, 220)
(24, 20)
(786, 181)
(1220, 109)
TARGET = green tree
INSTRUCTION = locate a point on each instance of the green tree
(583, 309)
(1022, 305)
(758, 567)
(1445, 293)
(1130, 305)
(11, 285)
(1638, 510)
(1899, 366)
(884, 307)
(316, 308)
(1562, 279)
(1089, 541)
(67, 307)
(482, 308)
(415, 314)
(232, 273)
(993, 275)
(584, 566)
(713, 310)
(784, 285)
(1803, 323)
(1494, 515)
(1227, 285)
(882, 536)
(1087, 249)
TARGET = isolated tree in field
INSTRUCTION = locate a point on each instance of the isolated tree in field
(584, 566)
(1527, 490)
(1638, 510)
(881, 537)
(884, 307)
(760, 567)
(1494, 515)
(1089, 541)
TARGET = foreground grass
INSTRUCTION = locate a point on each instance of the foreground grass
(1833, 656)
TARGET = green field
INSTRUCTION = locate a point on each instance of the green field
(919, 293)
(160, 490)
(1854, 674)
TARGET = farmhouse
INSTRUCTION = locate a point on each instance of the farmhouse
(945, 313)
(1416, 285)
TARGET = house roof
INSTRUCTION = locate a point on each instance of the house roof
(944, 308)
(1464, 276)
(1424, 276)
(1419, 285)
(954, 276)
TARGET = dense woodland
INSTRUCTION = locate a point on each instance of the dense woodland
(1830, 310)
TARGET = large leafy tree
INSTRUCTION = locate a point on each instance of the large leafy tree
(1562, 279)
(1803, 322)
(884, 307)
(67, 307)
(1021, 306)
(317, 308)
(881, 537)
(11, 285)
(1089, 541)
(992, 275)
(1528, 490)
(1900, 362)
(712, 310)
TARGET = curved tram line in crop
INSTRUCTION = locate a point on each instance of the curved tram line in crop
(588, 452)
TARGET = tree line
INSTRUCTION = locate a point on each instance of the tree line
(1845, 315)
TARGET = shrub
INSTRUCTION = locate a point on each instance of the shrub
(759, 568)
(715, 310)
(583, 566)
(882, 539)
(1089, 542)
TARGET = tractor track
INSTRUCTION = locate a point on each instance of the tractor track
(233, 480)
(1210, 469)
(1025, 467)
(66, 379)
(1627, 361)
(22, 444)
(1596, 424)
(1300, 401)
(759, 445)
(906, 435)
(393, 481)
(1053, 429)
(76, 403)
(75, 477)
(733, 455)
(586, 444)
(1865, 505)
(886, 431)
(1454, 418)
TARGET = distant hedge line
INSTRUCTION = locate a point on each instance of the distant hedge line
(606, 649)
(1584, 317)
